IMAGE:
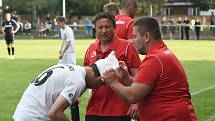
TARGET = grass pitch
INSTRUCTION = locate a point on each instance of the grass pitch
(33, 56)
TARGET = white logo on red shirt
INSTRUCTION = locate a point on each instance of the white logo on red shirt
(93, 54)
(120, 22)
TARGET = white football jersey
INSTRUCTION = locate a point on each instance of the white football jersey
(65, 80)
(67, 34)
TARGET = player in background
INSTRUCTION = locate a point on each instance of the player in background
(67, 56)
(67, 50)
(112, 8)
(58, 87)
(9, 27)
(124, 20)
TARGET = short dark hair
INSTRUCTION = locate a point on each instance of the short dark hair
(61, 19)
(106, 15)
(95, 70)
(111, 7)
(148, 24)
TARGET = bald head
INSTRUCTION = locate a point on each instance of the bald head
(129, 7)
(112, 8)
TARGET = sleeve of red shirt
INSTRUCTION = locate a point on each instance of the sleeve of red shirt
(132, 57)
(150, 71)
(130, 30)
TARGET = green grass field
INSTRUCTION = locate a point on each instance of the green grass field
(33, 56)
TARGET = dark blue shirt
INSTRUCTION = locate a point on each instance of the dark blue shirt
(9, 26)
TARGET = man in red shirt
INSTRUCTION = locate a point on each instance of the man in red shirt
(104, 105)
(124, 20)
(160, 85)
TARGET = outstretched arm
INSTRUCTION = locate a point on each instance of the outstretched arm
(133, 94)
(56, 112)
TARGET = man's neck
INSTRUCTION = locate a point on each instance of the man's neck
(64, 26)
(105, 45)
(152, 43)
(123, 12)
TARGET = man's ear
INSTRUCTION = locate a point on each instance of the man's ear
(148, 36)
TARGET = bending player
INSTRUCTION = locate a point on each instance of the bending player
(57, 87)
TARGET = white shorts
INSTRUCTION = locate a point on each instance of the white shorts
(68, 58)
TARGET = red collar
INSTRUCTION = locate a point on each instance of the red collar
(157, 47)
(110, 47)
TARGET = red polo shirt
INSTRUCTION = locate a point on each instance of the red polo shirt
(103, 101)
(124, 26)
(169, 99)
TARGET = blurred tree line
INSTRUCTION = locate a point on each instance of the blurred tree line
(37, 8)
(87, 7)
(73, 7)
(203, 4)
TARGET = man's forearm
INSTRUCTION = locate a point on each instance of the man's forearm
(60, 117)
(65, 47)
(123, 92)
(129, 81)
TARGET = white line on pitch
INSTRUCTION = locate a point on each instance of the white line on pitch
(211, 118)
(202, 90)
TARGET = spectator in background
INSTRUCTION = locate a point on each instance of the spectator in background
(181, 27)
(212, 21)
(56, 28)
(197, 29)
(164, 26)
(160, 86)
(48, 23)
(104, 105)
(94, 30)
(42, 30)
(89, 27)
(187, 28)
(192, 23)
(172, 27)
(27, 28)
(74, 25)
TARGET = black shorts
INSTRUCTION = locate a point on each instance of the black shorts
(107, 118)
(9, 39)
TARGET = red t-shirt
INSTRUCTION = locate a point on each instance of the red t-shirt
(124, 26)
(169, 99)
(104, 102)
